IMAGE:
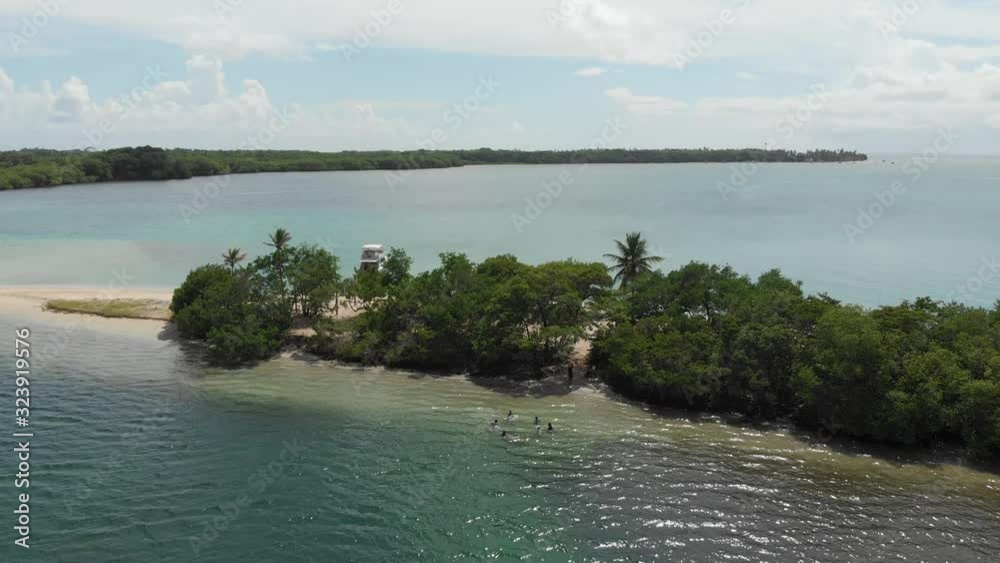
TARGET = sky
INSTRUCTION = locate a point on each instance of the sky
(876, 76)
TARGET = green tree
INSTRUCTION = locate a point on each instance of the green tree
(633, 259)
(314, 279)
(980, 417)
(232, 258)
(923, 403)
(235, 314)
(396, 268)
(280, 240)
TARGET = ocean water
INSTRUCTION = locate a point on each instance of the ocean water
(934, 238)
(142, 453)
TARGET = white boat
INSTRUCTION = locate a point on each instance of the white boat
(372, 257)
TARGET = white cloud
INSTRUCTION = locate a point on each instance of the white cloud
(626, 31)
(906, 85)
(645, 105)
(877, 83)
(200, 103)
(71, 100)
(200, 112)
(6, 84)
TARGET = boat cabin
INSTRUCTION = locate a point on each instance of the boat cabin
(372, 256)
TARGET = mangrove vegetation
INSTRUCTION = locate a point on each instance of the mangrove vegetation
(33, 168)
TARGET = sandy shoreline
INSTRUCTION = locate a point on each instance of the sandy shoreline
(27, 302)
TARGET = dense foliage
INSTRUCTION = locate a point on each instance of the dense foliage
(704, 337)
(496, 315)
(30, 168)
(244, 313)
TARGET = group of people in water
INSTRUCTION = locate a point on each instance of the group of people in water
(510, 418)
(495, 425)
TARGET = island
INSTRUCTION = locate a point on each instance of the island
(701, 338)
(35, 168)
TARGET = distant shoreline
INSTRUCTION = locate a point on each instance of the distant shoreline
(40, 168)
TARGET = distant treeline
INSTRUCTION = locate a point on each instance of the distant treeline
(35, 168)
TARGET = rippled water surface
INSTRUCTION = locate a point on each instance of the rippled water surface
(142, 453)
(140, 448)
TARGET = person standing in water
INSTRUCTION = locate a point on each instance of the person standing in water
(510, 415)
(550, 430)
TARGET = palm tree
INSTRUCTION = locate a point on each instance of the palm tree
(279, 240)
(632, 260)
(232, 257)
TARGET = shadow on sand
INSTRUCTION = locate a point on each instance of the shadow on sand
(548, 386)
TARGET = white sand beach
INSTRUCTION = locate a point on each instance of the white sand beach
(28, 302)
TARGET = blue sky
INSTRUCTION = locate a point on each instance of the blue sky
(881, 77)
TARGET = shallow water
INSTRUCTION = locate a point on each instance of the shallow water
(931, 239)
(139, 448)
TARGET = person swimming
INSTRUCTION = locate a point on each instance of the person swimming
(494, 423)
(550, 430)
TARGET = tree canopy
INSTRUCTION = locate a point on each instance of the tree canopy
(705, 337)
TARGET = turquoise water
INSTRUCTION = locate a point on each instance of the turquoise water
(933, 238)
(141, 453)
(144, 453)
